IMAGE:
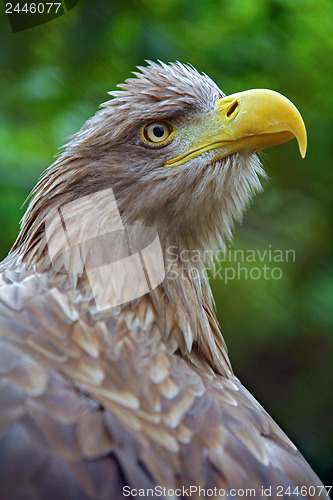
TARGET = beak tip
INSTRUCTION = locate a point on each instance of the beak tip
(302, 145)
(302, 150)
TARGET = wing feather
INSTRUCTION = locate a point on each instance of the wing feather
(90, 405)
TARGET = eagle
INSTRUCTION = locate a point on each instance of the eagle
(115, 377)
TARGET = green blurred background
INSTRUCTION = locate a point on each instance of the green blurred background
(53, 77)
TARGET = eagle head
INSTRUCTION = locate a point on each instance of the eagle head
(178, 154)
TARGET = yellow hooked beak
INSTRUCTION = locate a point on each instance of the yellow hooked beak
(250, 120)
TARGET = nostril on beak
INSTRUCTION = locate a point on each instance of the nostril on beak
(232, 108)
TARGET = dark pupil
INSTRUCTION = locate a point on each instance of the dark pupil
(158, 131)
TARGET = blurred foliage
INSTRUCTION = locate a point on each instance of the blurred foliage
(53, 77)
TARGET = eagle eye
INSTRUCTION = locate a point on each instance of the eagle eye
(156, 132)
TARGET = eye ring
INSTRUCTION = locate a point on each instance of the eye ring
(156, 133)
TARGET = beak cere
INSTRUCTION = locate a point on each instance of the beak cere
(251, 120)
